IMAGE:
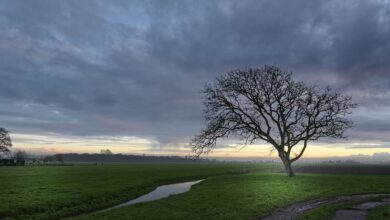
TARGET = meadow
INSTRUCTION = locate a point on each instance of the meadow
(54, 192)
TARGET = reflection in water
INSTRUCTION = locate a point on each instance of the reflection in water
(159, 193)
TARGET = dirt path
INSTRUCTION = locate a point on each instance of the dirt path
(358, 212)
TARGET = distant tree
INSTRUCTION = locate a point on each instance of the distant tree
(106, 151)
(47, 159)
(267, 104)
(5, 141)
(59, 158)
(20, 157)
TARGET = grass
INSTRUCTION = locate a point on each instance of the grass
(247, 196)
(324, 212)
(51, 192)
(380, 213)
(56, 192)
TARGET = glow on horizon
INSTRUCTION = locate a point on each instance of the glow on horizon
(135, 145)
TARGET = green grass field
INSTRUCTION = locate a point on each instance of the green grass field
(55, 192)
(382, 212)
(51, 192)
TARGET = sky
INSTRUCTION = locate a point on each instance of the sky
(79, 76)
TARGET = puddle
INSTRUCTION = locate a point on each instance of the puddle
(359, 212)
(369, 205)
(159, 193)
(350, 214)
(294, 210)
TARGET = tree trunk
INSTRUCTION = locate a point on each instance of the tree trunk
(287, 165)
(289, 170)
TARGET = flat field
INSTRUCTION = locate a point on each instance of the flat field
(55, 192)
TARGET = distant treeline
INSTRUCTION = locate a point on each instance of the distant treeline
(74, 157)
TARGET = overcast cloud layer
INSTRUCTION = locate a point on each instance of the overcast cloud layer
(122, 68)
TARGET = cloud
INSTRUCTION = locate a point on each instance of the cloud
(98, 68)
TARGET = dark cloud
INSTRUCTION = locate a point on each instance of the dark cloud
(135, 68)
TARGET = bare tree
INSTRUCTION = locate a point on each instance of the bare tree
(267, 104)
(106, 151)
(47, 159)
(59, 158)
(5, 141)
(20, 157)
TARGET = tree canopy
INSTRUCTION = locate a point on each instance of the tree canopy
(268, 104)
(106, 151)
(5, 141)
